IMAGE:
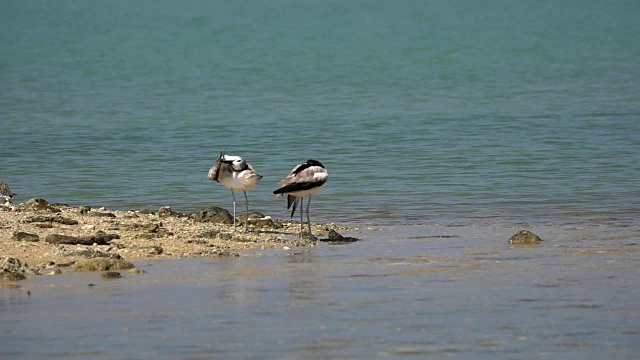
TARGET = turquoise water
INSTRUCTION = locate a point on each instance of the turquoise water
(422, 111)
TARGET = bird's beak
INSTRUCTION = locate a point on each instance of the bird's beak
(223, 160)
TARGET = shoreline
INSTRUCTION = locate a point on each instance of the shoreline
(48, 236)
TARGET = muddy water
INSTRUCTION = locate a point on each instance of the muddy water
(437, 291)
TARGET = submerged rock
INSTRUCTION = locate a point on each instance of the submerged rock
(111, 275)
(213, 214)
(524, 237)
(101, 264)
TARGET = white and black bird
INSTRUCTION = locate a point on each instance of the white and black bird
(5, 192)
(236, 175)
(304, 180)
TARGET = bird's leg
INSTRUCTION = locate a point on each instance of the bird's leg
(234, 210)
(311, 237)
(301, 208)
(246, 208)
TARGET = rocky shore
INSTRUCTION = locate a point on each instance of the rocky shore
(40, 238)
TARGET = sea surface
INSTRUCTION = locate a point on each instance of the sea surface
(429, 114)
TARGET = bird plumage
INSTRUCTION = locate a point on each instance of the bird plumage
(305, 180)
(5, 191)
(236, 175)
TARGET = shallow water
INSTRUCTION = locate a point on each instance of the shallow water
(443, 291)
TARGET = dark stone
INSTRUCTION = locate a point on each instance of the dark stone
(23, 236)
(524, 237)
(111, 275)
(100, 238)
(104, 214)
(213, 214)
(91, 254)
(101, 264)
(61, 239)
(48, 218)
(336, 238)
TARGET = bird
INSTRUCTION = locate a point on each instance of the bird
(5, 192)
(236, 175)
(305, 180)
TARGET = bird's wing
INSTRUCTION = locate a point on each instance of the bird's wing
(306, 179)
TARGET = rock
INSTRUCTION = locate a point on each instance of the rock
(48, 218)
(84, 209)
(23, 236)
(91, 254)
(213, 214)
(336, 238)
(524, 237)
(9, 276)
(104, 214)
(111, 275)
(136, 271)
(61, 239)
(166, 211)
(38, 204)
(13, 269)
(101, 264)
(100, 238)
(146, 212)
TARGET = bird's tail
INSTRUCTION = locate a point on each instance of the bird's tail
(292, 200)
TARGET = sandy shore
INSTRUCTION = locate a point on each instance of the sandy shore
(33, 232)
